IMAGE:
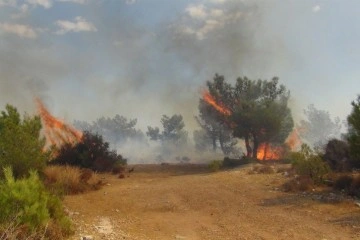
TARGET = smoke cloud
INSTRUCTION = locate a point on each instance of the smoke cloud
(142, 59)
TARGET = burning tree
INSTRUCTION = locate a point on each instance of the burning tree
(212, 115)
(255, 111)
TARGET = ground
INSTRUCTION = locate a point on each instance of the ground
(189, 202)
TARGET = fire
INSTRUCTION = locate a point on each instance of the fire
(218, 106)
(268, 152)
(57, 133)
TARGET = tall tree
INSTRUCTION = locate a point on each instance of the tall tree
(318, 128)
(117, 130)
(173, 131)
(211, 119)
(354, 132)
(256, 111)
(21, 146)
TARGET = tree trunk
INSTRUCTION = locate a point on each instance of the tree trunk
(255, 147)
(213, 138)
(265, 150)
(248, 147)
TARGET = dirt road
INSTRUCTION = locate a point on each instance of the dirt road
(167, 202)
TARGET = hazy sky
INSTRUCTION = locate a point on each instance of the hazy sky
(145, 58)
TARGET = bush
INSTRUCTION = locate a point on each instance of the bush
(215, 165)
(32, 207)
(92, 152)
(343, 183)
(337, 155)
(306, 163)
(70, 180)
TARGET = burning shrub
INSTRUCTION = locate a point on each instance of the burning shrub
(307, 163)
(92, 152)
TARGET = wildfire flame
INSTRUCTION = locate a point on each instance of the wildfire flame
(265, 150)
(218, 106)
(268, 152)
(56, 132)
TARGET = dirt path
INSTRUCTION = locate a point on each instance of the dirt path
(165, 202)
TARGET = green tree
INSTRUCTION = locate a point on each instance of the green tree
(354, 132)
(212, 121)
(173, 131)
(21, 146)
(117, 130)
(257, 111)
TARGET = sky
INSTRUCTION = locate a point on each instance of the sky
(144, 58)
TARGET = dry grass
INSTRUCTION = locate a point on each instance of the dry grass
(263, 169)
(301, 183)
(70, 180)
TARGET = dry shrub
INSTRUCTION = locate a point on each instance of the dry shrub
(70, 180)
(301, 183)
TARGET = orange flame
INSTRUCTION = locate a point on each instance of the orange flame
(218, 106)
(268, 152)
(57, 133)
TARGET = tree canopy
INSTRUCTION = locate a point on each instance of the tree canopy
(354, 131)
(21, 146)
(254, 110)
(116, 130)
(173, 131)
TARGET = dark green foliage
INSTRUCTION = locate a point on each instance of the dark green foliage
(307, 163)
(354, 132)
(20, 143)
(29, 202)
(348, 184)
(216, 131)
(343, 182)
(259, 112)
(337, 155)
(92, 152)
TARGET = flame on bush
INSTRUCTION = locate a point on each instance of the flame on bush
(57, 133)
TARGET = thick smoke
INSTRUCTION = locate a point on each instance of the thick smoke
(144, 69)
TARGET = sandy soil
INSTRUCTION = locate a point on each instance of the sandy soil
(188, 202)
